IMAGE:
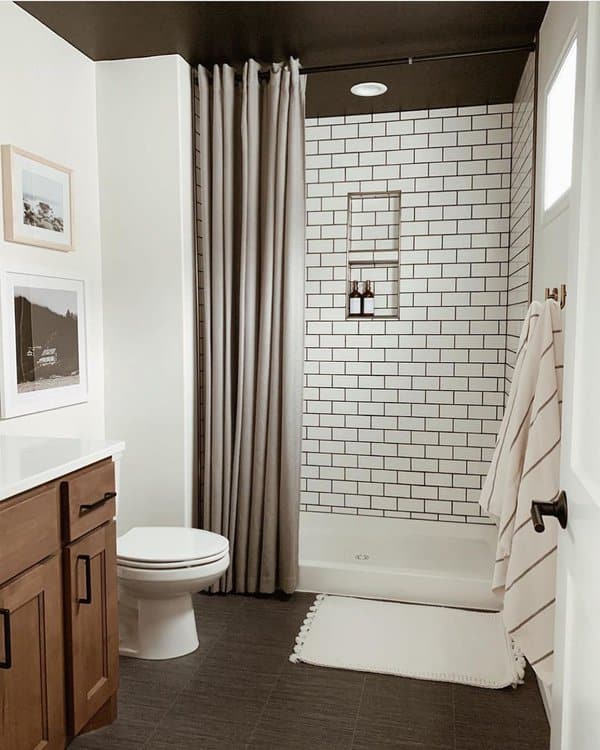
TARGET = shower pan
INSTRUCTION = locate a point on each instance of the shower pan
(409, 560)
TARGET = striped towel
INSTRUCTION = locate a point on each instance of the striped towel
(525, 467)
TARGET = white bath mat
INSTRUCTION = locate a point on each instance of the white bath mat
(411, 640)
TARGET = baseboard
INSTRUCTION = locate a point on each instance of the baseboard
(546, 693)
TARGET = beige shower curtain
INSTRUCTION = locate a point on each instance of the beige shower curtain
(251, 159)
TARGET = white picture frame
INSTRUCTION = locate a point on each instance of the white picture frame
(43, 356)
(38, 201)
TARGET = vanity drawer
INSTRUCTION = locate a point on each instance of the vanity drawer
(88, 498)
(29, 529)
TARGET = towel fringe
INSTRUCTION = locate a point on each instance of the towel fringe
(519, 660)
(305, 628)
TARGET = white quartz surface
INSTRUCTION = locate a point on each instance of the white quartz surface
(26, 462)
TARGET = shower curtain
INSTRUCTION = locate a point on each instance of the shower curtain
(252, 214)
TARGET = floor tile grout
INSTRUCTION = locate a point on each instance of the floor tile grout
(172, 703)
(265, 704)
(454, 714)
(184, 686)
(360, 700)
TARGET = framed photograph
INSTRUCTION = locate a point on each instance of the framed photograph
(42, 347)
(37, 196)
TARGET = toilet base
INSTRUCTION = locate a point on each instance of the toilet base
(156, 628)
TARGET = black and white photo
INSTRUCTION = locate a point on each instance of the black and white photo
(43, 349)
(46, 338)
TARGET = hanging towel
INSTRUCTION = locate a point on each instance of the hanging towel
(525, 467)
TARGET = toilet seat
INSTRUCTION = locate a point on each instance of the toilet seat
(139, 565)
(169, 548)
(127, 573)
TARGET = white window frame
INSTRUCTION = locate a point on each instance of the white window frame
(562, 202)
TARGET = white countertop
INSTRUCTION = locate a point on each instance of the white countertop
(26, 462)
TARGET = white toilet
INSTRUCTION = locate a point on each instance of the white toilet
(158, 569)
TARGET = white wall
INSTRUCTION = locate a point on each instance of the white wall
(48, 107)
(551, 227)
(145, 159)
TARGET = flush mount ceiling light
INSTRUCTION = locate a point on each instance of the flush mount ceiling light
(369, 88)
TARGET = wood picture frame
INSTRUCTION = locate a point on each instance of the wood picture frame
(38, 200)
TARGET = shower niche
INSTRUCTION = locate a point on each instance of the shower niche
(373, 251)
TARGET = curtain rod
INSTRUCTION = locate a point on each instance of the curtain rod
(407, 60)
(411, 60)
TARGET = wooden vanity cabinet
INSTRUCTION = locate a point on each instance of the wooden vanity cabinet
(32, 679)
(91, 623)
(58, 610)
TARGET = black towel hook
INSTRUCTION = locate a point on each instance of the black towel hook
(557, 508)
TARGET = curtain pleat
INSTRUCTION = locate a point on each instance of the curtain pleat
(252, 246)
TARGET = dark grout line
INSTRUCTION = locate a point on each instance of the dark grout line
(179, 693)
(362, 693)
(454, 713)
(268, 698)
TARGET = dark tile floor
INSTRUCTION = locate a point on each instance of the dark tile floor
(240, 691)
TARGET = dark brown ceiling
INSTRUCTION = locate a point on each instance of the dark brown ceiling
(320, 33)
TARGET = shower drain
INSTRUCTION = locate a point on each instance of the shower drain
(362, 556)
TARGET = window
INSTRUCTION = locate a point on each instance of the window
(560, 116)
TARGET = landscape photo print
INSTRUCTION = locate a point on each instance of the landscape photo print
(43, 343)
(37, 200)
(43, 202)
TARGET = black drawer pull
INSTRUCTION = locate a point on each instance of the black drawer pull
(7, 663)
(87, 599)
(88, 507)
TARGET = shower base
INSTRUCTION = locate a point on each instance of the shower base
(398, 559)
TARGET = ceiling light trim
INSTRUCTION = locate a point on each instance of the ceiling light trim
(368, 88)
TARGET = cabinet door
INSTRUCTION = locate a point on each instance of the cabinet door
(32, 688)
(92, 625)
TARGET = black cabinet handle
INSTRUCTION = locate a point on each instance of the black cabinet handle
(88, 507)
(557, 508)
(7, 663)
(87, 599)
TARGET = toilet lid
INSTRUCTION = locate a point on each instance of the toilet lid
(170, 544)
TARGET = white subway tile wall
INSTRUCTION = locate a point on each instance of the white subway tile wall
(521, 212)
(401, 416)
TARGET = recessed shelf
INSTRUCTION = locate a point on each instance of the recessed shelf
(373, 263)
(371, 317)
(373, 250)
